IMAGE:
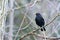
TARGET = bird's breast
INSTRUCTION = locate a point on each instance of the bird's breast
(39, 21)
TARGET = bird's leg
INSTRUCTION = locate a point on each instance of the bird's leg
(41, 29)
(44, 29)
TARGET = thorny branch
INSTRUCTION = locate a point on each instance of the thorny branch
(32, 33)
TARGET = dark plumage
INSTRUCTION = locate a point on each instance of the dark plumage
(40, 21)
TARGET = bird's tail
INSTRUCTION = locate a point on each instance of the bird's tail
(43, 29)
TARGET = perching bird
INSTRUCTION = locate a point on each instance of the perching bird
(40, 21)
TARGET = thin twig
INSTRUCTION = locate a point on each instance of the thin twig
(52, 20)
(40, 36)
(45, 37)
(27, 5)
(32, 4)
(25, 27)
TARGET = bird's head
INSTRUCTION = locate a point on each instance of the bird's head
(37, 13)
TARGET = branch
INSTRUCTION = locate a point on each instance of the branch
(52, 20)
(32, 4)
(25, 27)
(27, 5)
(21, 25)
(38, 29)
(40, 36)
(45, 37)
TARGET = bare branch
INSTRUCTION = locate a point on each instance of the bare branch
(32, 4)
(21, 25)
(27, 5)
(40, 36)
(46, 37)
(52, 20)
(25, 27)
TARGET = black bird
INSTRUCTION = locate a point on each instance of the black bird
(40, 21)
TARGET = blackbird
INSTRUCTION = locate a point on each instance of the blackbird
(40, 21)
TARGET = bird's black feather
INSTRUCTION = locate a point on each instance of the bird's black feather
(40, 21)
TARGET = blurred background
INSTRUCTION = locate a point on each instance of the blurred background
(17, 18)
